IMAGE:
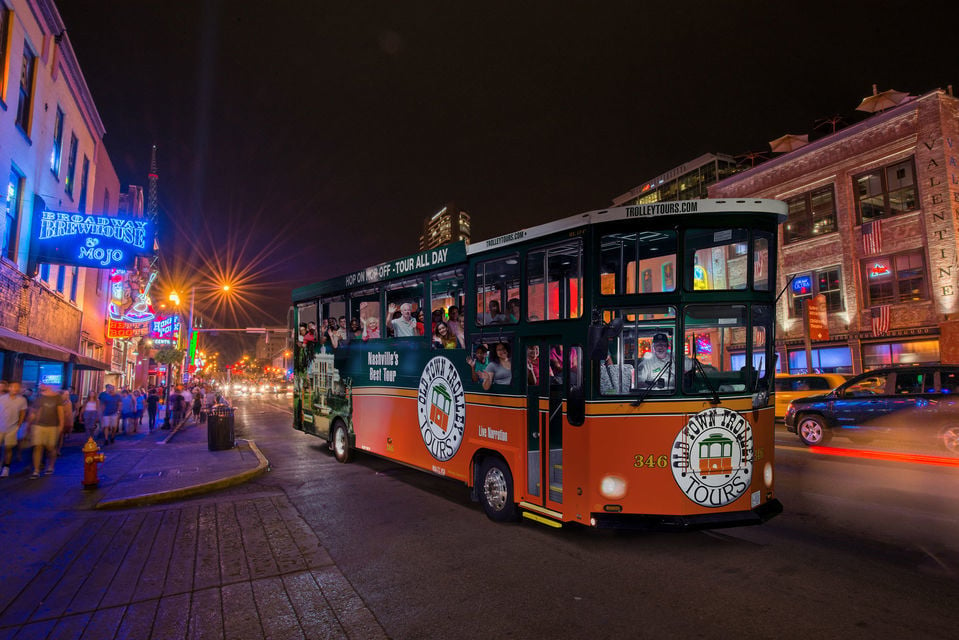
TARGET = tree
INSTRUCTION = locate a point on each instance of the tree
(169, 356)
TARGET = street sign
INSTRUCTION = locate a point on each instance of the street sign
(818, 321)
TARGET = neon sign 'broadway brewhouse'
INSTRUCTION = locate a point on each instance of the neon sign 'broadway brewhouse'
(89, 240)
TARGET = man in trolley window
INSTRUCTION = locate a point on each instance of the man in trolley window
(655, 368)
(405, 325)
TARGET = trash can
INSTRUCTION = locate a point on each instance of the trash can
(219, 428)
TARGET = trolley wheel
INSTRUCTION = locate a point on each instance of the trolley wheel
(496, 490)
(340, 443)
(812, 430)
(949, 438)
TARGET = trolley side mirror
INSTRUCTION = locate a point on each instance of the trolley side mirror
(599, 335)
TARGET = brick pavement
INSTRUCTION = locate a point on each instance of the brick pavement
(210, 568)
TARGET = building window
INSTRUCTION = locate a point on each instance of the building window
(888, 354)
(25, 105)
(61, 278)
(84, 175)
(71, 165)
(57, 150)
(74, 281)
(811, 214)
(887, 191)
(45, 272)
(4, 43)
(804, 286)
(894, 279)
(11, 217)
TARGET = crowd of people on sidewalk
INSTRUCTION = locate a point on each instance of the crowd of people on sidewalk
(43, 422)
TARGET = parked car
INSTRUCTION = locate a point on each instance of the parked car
(915, 406)
(792, 386)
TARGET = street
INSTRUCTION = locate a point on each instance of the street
(314, 548)
(864, 549)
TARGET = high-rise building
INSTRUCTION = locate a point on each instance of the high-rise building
(447, 225)
(872, 228)
(688, 181)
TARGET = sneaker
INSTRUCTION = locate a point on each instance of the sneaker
(34, 475)
(49, 471)
(5, 473)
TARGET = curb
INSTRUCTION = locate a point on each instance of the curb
(192, 490)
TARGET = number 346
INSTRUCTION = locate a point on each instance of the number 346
(650, 461)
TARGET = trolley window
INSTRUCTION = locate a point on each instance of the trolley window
(638, 262)
(497, 291)
(554, 284)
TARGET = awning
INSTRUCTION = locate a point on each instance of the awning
(13, 341)
(86, 362)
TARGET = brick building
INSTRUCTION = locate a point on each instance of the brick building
(872, 228)
(51, 148)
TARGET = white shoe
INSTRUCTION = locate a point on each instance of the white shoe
(5, 473)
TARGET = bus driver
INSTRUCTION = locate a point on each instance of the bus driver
(655, 368)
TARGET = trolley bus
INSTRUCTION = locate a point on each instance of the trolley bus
(613, 369)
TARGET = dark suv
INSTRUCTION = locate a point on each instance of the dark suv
(916, 405)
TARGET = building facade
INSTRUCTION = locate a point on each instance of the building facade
(51, 148)
(447, 225)
(688, 181)
(872, 229)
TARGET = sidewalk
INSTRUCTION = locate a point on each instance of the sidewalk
(140, 468)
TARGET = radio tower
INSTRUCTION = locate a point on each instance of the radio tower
(152, 204)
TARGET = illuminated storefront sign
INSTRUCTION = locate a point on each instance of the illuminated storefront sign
(130, 310)
(120, 329)
(83, 240)
(165, 331)
(802, 285)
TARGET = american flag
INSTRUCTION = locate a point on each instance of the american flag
(880, 320)
(872, 237)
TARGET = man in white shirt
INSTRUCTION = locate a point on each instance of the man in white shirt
(13, 409)
(655, 368)
(405, 325)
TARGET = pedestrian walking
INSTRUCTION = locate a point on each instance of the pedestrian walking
(109, 407)
(139, 397)
(46, 422)
(67, 418)
(90, 415)
(128, 410)
(13, 411)
(176, 406)
(197, 405)
(153, 401)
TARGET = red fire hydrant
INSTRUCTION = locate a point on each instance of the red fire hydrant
(91, 458)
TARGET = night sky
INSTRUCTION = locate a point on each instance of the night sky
(319, 135)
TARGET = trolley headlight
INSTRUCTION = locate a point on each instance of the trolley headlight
(768, 474)
(612, 487)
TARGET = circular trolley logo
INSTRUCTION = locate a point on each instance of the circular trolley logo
(712, 457)
(441, 406)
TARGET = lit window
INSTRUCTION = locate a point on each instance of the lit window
(887, 191)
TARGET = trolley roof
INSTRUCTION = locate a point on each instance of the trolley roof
(457, 252)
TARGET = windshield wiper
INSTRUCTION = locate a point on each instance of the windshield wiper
(653, 384)
(697, 366)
